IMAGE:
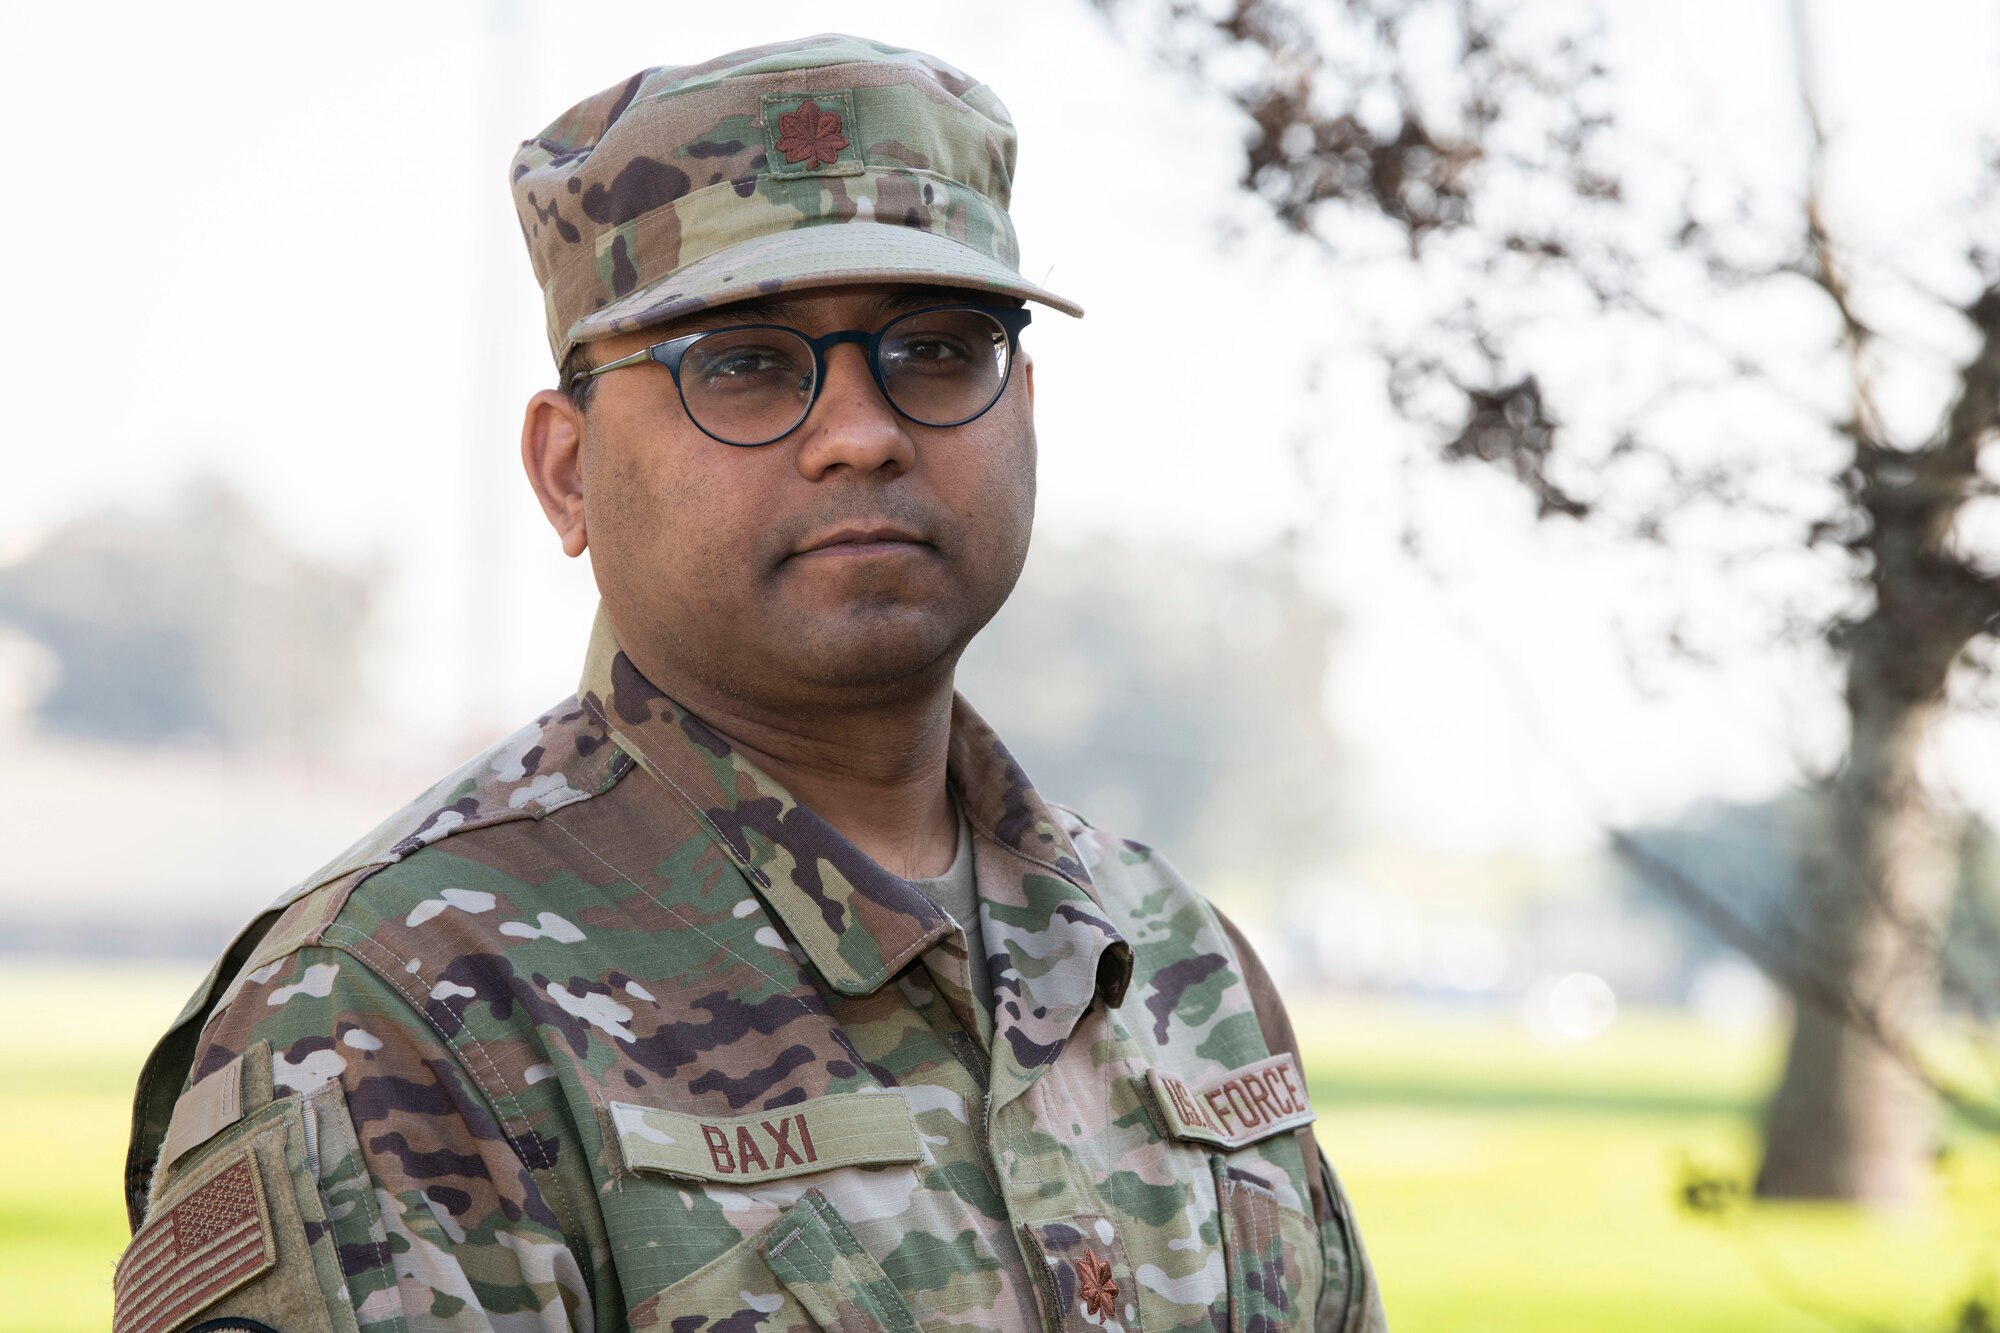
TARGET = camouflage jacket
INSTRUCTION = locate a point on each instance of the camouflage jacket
(606, 1031)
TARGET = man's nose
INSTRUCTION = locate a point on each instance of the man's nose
(852, 424)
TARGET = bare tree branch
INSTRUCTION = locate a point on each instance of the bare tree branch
(1492, 176)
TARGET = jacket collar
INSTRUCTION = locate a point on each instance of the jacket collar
(1051, 946)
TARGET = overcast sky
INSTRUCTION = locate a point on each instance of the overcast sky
(276, 241)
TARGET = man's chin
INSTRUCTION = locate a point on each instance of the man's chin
(877, 646)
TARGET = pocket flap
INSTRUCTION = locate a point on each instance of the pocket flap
(1237, 1108)
(838, 1282)
(1084, 1277)
(845, 1129)
(212, 1105)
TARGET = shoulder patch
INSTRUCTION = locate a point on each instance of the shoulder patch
(215, 1239)
(238, 1235)
(1236, 1108)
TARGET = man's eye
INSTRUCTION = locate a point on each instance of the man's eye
(929, 351)
(742, 363)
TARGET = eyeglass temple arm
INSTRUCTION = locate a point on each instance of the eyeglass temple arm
(643, 354)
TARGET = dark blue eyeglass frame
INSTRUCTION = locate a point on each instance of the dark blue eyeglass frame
(1011, 319)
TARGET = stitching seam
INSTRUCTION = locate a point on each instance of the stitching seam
(541, 1155)
(677, 914)
(652, 767)
(919, 174)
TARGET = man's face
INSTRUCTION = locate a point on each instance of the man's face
(702, 549)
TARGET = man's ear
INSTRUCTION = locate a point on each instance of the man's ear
(1028, 369)
(552, 453)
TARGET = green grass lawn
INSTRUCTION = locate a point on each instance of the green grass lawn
(69, 1056)
(1501, 1185)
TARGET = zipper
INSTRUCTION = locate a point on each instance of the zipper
(311, 1122)
(967, 1050)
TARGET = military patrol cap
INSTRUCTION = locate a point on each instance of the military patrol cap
(691, 186)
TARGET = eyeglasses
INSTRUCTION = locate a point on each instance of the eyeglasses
(752, 384)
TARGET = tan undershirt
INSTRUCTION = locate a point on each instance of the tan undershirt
(957, 893)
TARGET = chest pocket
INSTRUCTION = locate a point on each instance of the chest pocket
(802, 1269)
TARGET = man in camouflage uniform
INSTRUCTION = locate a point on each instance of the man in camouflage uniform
(752, 987)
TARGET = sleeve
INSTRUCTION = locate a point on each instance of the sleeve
(1350, 1297)
(334, 1165)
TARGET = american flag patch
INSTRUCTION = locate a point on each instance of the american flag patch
(213, 1241)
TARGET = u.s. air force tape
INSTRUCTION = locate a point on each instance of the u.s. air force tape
(843, 1129)
(1236, 1108)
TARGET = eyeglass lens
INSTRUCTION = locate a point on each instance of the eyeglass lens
(751, 386)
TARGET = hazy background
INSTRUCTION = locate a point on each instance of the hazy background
(268, 566)
(275, 256)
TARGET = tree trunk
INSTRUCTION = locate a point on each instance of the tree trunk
(1849, 1120)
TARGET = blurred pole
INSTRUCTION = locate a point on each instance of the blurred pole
(489, 437)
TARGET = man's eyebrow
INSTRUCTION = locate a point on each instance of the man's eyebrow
(758, 310)
(912, 298)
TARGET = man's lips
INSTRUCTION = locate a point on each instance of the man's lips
(863, 540)
(850, 550)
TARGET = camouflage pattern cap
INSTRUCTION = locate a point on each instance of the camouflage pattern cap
(688, 187)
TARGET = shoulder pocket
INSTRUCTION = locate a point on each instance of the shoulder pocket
(238, 1229)
(1270, 1253)
(167, 1066)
